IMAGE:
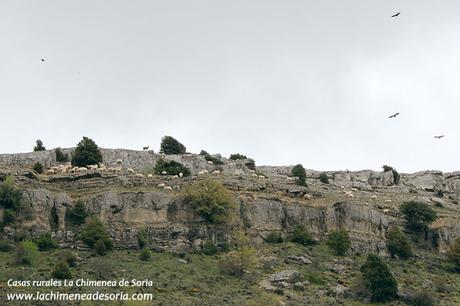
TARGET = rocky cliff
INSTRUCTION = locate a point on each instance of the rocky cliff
(363, 202)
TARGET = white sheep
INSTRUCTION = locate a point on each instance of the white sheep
(373, 196)
(169, 188)
(161, 185)
(49, 171)
(387, 201)
(210, 162)
(176, 187)
(92, 167)
(255, 175)
(82, 169)
(216, 172)
(139, 175)
(386, 211)
(164, 172)
(130, 170)
(262, 177)
(176, 176)
(150, 175)
(181, 174)
(119, 161)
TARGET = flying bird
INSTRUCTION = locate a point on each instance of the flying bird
(145, 148)
(394, 115)
(42, 59)
(395, 15)
(439, 137)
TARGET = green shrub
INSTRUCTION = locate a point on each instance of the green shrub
(60, 156)
(324, 178)
(62, 270)
(5, 246)
(422, 299)
(378, 279)
(209, 157)
(145, 254)
(39, 146)
(301, 236)
(69, 258)
(169, 146)
(77, 214)
(454, 254)
(250, 164)
(237, 156)
(171, 168)
(100, 247)
(241, 260)
(45, 242)
(26, 252)
(142, 238)
(94, 231)
(10, 196)
(38, 167)
(339, 242)
(10, 200)
(274, 237)
(300, 173)
(211, 200)
(396, 175)
(86, 153)
(418, 215)
(398, 244)
(210, 248)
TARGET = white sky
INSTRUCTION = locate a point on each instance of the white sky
(284, 82)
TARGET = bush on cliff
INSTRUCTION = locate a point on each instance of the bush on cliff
(339, 242)
(301, 236)
(169, 146)
(454, 255)
(241, 260)
(396, 175)
(86, 153)
(39, 146)
(94, 231)
(324, 178)
(26, 252)
(300, 173)
(38, 167)
(237, 156)
(171, 168)
(10, 200)
(60, 156)
(398, 244)
(62, 270)
(77, 214)
(418, 215)
(211, 200)
(45, 242)
(378, 279)
(274, 237)
(145, 255)
(209, 157)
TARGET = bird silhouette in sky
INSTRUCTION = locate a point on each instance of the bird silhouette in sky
(394, 115)
(439, 137)
(42, 59)
(395, 15)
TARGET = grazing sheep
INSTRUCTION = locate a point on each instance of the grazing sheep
(181, 174)
(176, 187)
(254, 175)
(161, 185)
(150, 175)
(175, 176)
(169, 188)
(252, 171)
(145, 148)
(386, 211)
(130, 170)
(73, 170)
(49, 171)
(164, 172)
(210, 162)
(387, 201)
(119, 161)
(373, 196)
(82, 169)
(92, 167)
(139, 175)
(201, 173)
(349, 194)
(262, 177)
(236, 173)
(216, 172)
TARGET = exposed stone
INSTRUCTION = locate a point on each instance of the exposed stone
(290, 276)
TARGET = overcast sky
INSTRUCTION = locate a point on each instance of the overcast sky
(284, 82)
